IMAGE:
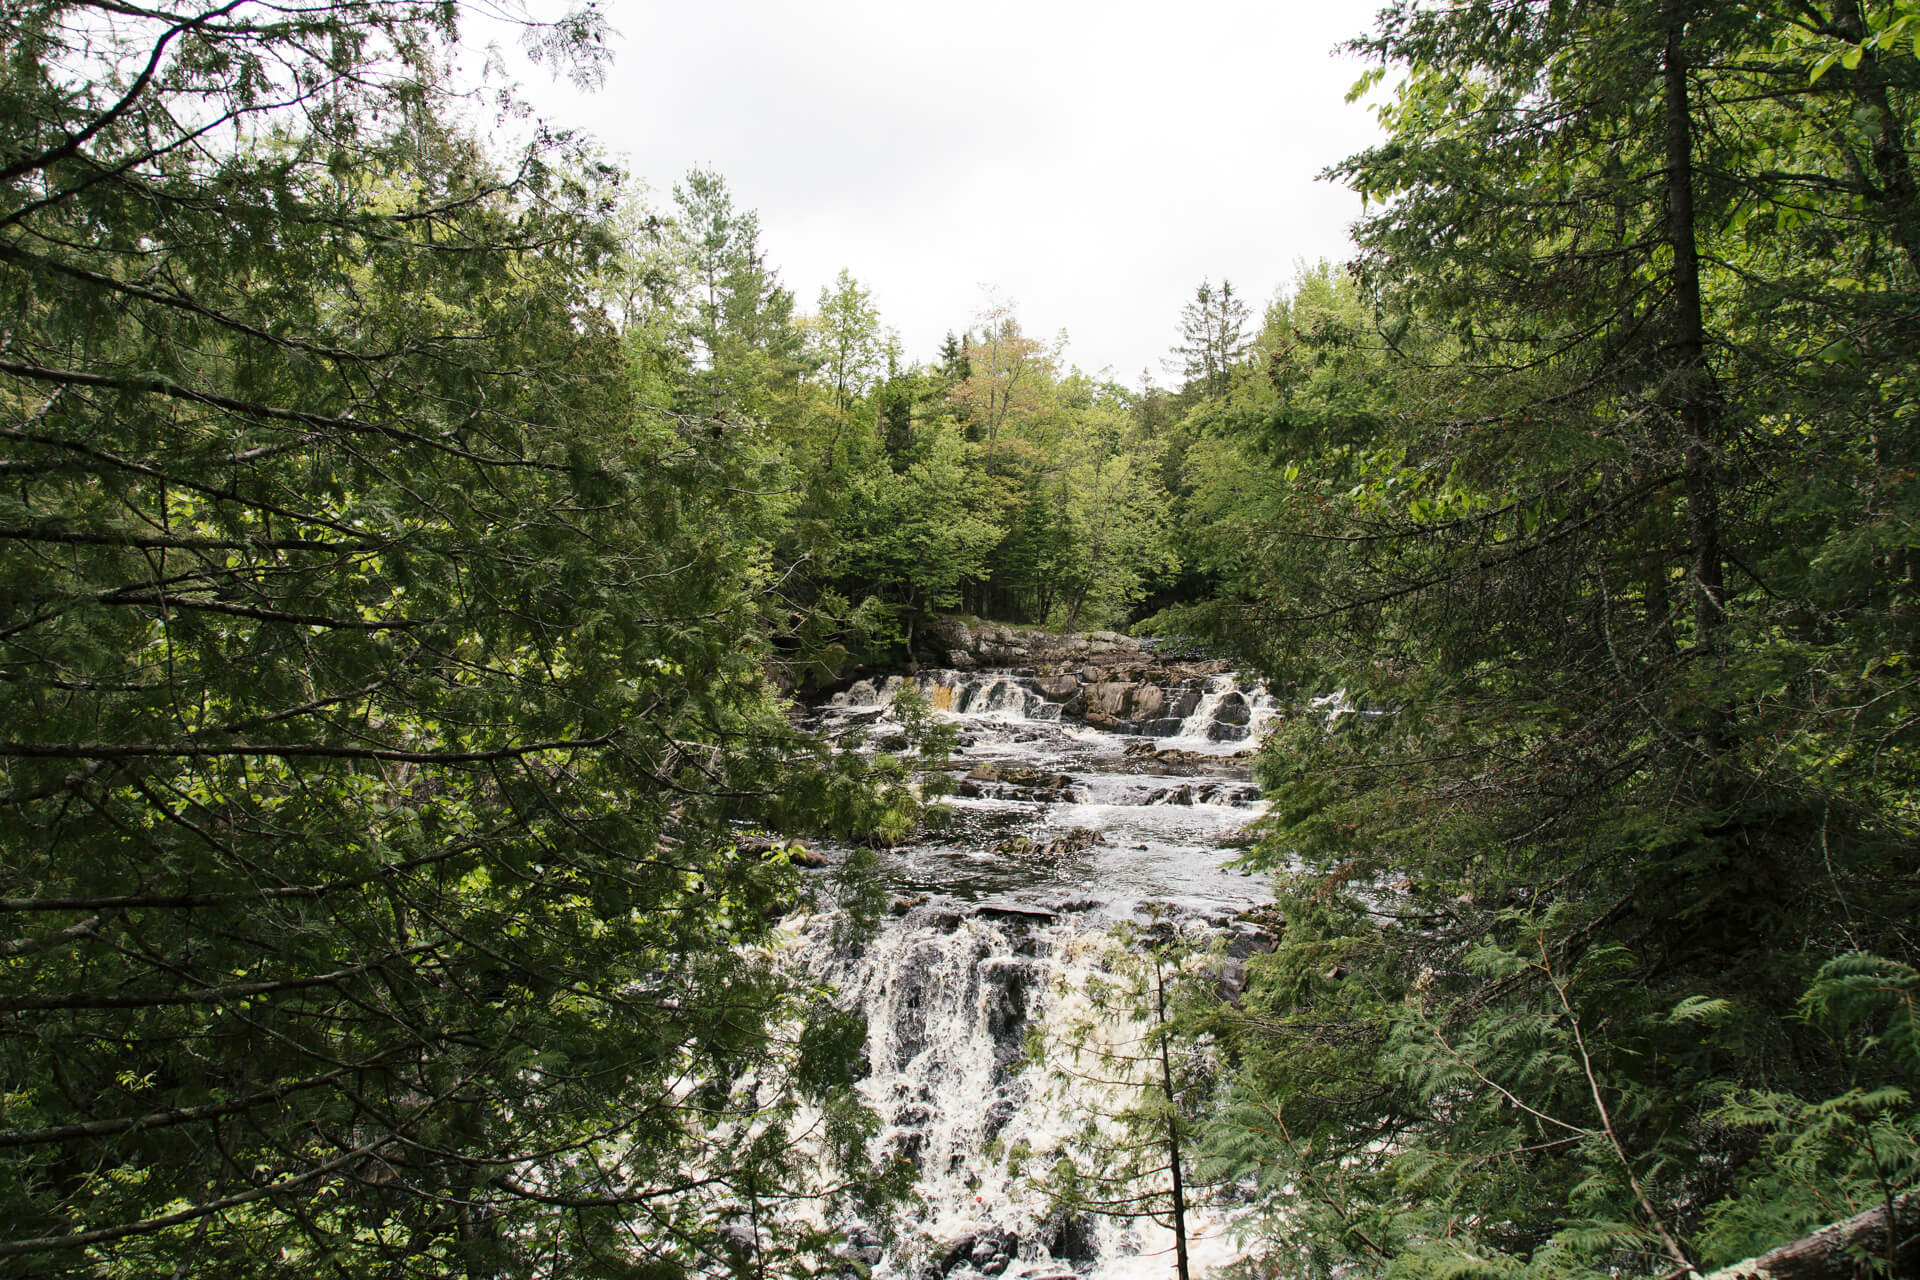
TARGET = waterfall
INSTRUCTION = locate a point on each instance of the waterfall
(1000, 929)
(949, 1000)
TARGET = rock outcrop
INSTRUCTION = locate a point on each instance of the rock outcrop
(1105, 678)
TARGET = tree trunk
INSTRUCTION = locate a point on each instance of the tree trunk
(1891, 163)
(1691, 393)
(1173, 1125)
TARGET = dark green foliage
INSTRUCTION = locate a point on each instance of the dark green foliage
(382, 694)
(1585, 497)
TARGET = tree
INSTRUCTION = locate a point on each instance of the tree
(1586, 508)
(382, 691)
(912, 538)
(1138, 1084)
(1003, 376)
(1213, 337)
(1115, 517)
(848, 341)
(747, 348)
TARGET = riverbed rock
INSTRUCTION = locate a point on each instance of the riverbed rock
(999, 781)
(1057, 688)
(1076, 840)
(1111, 701)
(1146, 701)
(1174, 759)
(1233, 709)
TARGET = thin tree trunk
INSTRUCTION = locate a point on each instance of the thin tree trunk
(1173, 1126)
(1692, 393)
(1888, 1234)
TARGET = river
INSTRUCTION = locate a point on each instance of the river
(1000, 926)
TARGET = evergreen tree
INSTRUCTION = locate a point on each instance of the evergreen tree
(1213, 337)
(747, 350)
(381, 687)
(1588, 513)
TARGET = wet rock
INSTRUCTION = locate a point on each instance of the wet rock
(774, 847)
(1073, 1239)
(900, 906)
(861, 1247)
(1014, 911)
(1108, 701)
(1267, 918)
(1145, 701)
(1076, 840)
(957, 1252)
(1241, 838)
(999, 1115)
(1224, 793)
(1016, 782)
(1233, 709)
(1057, 688)
(1184, 702)
(1018, 775)
(952, 633)
(910, 1145)
(1246, 941)
(992, 1250)
(1231, 982)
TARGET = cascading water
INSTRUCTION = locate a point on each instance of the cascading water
(999, 924)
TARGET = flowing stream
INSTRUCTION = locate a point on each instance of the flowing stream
(999, 923)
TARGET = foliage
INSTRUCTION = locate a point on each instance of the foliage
(1213, 338)
(383, 691)
(1583, 493)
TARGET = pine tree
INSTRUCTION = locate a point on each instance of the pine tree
(1213, 337)
(1589, 516)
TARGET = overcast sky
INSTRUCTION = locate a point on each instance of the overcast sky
(1091, 162)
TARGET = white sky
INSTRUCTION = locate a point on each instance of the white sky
(1091, 162)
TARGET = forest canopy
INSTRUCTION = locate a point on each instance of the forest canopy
(409, 553)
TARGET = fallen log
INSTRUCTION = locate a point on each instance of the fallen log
(1883, 1241)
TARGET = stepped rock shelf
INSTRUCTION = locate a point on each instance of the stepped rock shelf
(1109, 680)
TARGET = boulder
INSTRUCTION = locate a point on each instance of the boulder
(1077, 840)
(1147, 700)
(1057, 688)
(1234, 710)
(1184, 702)
(1109, 700)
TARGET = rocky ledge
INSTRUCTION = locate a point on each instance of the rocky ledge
(1105, 678)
